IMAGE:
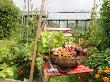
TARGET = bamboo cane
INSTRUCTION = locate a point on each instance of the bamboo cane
(38, 33)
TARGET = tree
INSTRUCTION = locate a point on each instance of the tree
(9, 18)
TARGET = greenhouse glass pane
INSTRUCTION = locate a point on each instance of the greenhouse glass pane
(81, 25)
(72, 24)
(63, 24)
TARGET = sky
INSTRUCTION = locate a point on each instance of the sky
(62, 5)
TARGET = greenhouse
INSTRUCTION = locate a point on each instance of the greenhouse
(54, 41)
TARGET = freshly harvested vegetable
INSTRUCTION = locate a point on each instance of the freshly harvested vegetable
(69, 51)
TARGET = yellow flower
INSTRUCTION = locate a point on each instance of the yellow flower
(96, 75)
(105, 79)
(100, 71)
(107, 71)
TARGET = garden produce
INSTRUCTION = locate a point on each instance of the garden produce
(69, 55)
(22, 72)
(50, 40)
(69, 51)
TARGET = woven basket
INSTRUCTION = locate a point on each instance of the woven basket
(67, 61)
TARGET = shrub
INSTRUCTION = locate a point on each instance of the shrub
(105, 24)
(9, 18)
(99, 61)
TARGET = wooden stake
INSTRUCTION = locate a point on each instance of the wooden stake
(38, 33)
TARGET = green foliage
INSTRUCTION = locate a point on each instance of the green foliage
(9, 18)
(100, 60)
(7, 71)
(14, 50)
(81, 34)
(28, 31)
(105, 23)
(24, 70)
(52, 40)
(32, 27)
(95, 35)
(95, 32)
(13, 53)
(13, 57)
(99, 31)
(71, 40)
(69, 78)
(6, 43)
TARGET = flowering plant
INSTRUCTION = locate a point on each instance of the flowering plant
(102, 75)
(24, 70)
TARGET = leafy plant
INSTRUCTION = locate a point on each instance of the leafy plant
(28, 30)
(105, 24)
(50, 40)
(13, 55)
(13, 58)
(65, 78)
(9, 18)
(99, 61)
(7, 71)
(100, 37)
(24, 70)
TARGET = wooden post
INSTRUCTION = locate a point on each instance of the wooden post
(38, 33)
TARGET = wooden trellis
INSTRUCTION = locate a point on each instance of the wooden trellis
(38, 33)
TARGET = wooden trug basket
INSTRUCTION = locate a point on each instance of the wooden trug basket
(68, 61)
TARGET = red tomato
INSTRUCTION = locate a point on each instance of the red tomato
(22, 72)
